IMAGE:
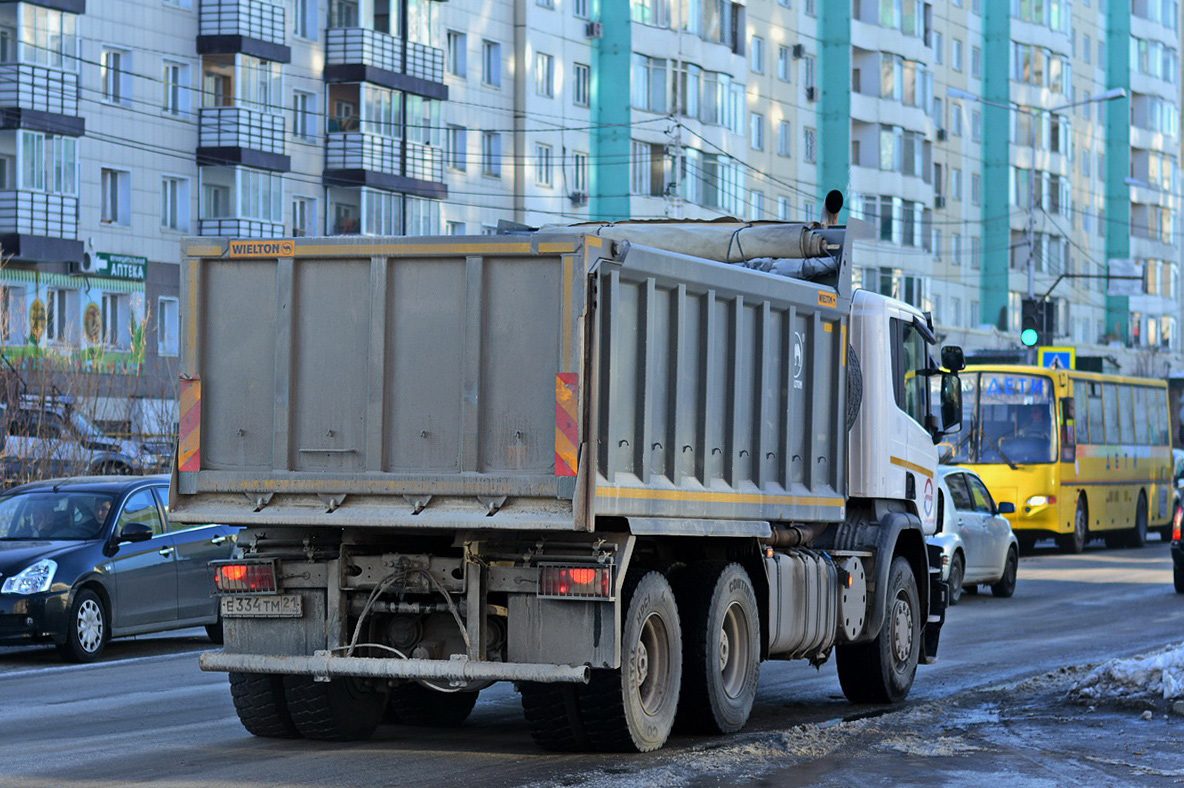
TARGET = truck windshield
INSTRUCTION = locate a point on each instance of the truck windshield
(1006, 418)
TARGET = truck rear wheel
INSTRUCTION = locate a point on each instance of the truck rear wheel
(261, 707)
(343, 709)
(415, 704)
(882, 671)
(721, 647)
(630, 709)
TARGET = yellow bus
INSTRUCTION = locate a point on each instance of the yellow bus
(1081, 454)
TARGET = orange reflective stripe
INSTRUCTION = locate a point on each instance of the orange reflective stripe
(567, 400)
(189, 434)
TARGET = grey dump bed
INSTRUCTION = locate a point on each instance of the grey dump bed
(528, 381)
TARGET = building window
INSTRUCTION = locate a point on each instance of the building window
(976, 188)
(304, 19)
(582, 85)
(168, 323)
(543, 155)
(784, 138)
(640, 180)
(491, 64)
(491, 154)
(304, 115)
(580, 9)
(956, 55)
(454, 228)
(215, 201)
(545, 3)
(115, 70)
(809, 145)
(116, 330)
(174, 203)
(304, 216)
(544, 75)
(756, 128)
(58, 325)
(757, 55)
(649, 83)
(976, 63)
(115, 186)
(458, 44)
(784, 59)
(343, 13)
(175, 86)
(49, 163)
(457, 148)
(579, 171)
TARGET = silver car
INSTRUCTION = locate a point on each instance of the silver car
(976, 541)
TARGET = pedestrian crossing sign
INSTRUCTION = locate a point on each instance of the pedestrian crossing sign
(1058, 357)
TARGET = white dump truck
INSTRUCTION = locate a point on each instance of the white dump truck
(620, 465)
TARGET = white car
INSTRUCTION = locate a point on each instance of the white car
(976, 541)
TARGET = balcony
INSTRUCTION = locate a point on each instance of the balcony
(240, 135)
(363, 159)
(39, 227)
(40, 98)
(239, 228)
(253, 27)
(357, 54)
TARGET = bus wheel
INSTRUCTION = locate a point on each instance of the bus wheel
(1137, 536)
(1075, 542)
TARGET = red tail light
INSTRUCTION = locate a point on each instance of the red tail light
(1176, 522)
(245, 577)
(576, 582)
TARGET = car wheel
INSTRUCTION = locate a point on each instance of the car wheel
(87, 632)
(1075, 542)
(1006, 585)
(1137, 536)
(883, 670)
(1178, 576)
(957, 572)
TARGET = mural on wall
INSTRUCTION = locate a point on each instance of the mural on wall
(92, 323)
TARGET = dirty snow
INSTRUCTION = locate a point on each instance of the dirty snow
(1159, 675)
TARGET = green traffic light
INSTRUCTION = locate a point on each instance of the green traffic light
(1029, 336)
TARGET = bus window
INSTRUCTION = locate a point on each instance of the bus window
(1016, 419)
(1097, 425)
(1142, 417)
(1126, 409)
(1110, 400)
(1081, 409)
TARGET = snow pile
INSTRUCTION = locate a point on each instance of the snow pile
(1160, 674)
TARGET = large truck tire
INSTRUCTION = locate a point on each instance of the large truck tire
(883, 670)
(721, 647)
(630, 709)
(415, 704)
(261, 707)
(343, 709)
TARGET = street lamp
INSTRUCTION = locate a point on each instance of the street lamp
(1109, 95)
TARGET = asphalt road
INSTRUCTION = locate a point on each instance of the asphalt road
(148, 715)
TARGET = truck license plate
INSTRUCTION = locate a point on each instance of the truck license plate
(277, 606)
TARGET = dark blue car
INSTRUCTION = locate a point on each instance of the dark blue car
(86, 559)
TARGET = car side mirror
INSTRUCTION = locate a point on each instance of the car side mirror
(135, 532)
(951, 403)
(1005, 507)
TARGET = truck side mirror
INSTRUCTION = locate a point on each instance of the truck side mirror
(952, 358)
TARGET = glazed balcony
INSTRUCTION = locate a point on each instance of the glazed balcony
(356, 54)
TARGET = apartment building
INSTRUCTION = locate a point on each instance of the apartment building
(981, 141)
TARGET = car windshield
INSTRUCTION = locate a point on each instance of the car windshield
(84, 427)
(1006, 418)
(43, 514)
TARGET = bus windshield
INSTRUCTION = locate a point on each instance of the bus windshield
(1007, 418)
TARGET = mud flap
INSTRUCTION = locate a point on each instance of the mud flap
(939, 596)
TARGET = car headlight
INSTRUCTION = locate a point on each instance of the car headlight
(1041, 500)
(32, 580)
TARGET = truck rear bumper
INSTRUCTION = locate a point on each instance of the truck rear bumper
(323, 664)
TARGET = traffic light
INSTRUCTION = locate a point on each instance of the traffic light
(1036, 322)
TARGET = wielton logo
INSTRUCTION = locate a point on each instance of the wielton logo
(262, 248)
